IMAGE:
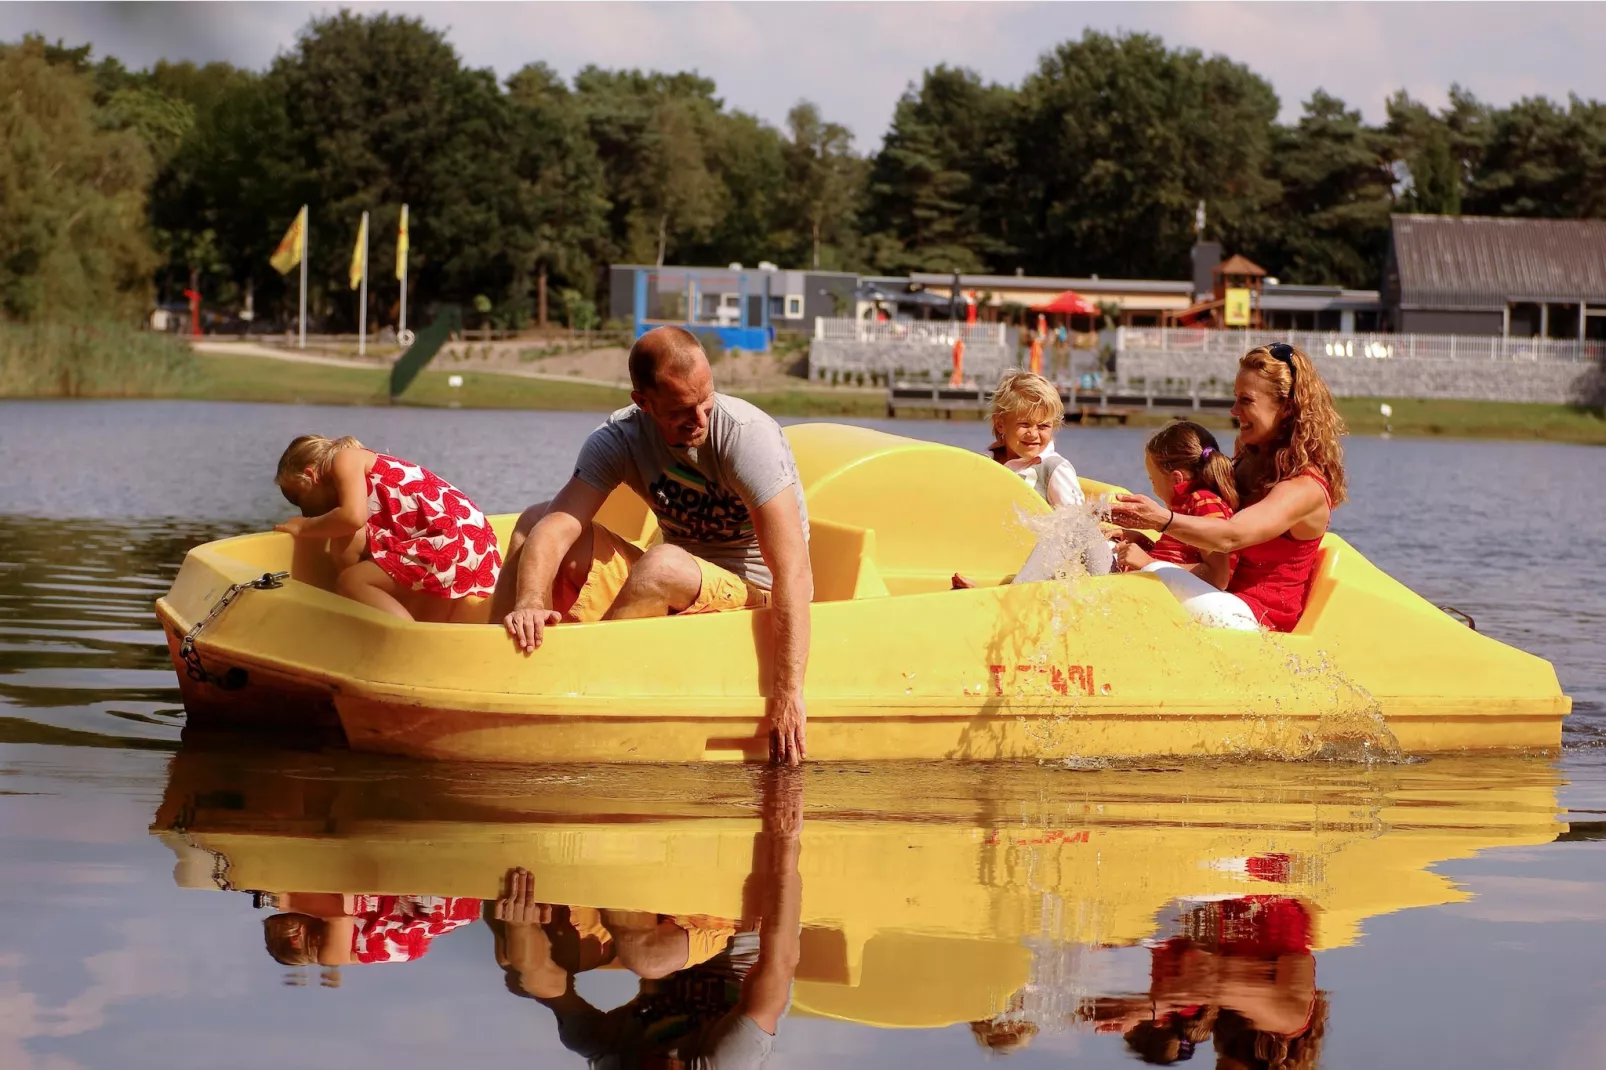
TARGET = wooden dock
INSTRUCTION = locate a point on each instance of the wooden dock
(1081, 406)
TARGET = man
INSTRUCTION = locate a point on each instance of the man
(720, 477)
(719, 1011)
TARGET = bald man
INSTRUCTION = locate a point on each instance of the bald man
(720, 477)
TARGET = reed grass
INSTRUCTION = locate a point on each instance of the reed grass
(95, 360)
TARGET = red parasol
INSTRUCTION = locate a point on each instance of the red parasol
(1071, 303)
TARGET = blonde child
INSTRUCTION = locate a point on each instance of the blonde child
(1192, 477)
(1027, 410)
(408, 542)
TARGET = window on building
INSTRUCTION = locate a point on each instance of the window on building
(1368, 322)
(1523, 321)
(1595, 323)
(1328, 319)
(1563, 321)
(794, 306)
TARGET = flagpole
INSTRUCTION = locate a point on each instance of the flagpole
(362, 309)
(306, 226)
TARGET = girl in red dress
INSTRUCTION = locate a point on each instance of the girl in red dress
(1290, 473)
(407, 542)
(1194, 478)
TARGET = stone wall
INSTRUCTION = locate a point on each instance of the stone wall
(1556, 382)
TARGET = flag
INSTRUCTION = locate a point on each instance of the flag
(359, 254)
(294, 244)
(401, 245)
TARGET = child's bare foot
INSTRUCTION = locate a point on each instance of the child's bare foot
(962, 583)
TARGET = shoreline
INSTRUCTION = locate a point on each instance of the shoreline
(277, 380)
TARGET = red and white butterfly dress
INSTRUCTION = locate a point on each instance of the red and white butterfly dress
(426, 534)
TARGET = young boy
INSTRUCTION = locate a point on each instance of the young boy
(1027, 410)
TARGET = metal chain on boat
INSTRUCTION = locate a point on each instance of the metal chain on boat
(268, 581)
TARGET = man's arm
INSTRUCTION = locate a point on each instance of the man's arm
(549, 542)
(768, 984)
(779, 527)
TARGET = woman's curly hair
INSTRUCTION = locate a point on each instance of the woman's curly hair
(1310, 432)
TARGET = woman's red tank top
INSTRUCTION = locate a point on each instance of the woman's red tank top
(1273, 579)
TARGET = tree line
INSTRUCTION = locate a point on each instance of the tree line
(120, 185)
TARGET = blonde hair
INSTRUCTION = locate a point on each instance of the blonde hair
(1310, 432)
(1187, 447)
(310, 451)
(280, 934)
(1023, 392)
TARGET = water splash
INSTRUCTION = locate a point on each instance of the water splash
(1070, 543)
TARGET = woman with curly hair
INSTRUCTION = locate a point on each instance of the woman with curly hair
(1289, 469)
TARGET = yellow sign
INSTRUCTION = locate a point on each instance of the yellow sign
(1237, 307)
(293, 246)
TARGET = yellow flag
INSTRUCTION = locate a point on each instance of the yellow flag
(1237, 307)
(293, 246)
(401, 245)
(359, 254)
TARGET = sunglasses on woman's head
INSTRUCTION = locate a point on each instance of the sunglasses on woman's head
(1284, 352)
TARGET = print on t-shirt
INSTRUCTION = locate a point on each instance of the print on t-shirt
(689, 508)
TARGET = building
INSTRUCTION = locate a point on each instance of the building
(728, 299)
(1519, 278)
(1137, 302)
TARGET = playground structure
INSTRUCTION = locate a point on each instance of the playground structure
(733, 307)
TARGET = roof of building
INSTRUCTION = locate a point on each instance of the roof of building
(1054, 284)
(1238, 264)
(1478, 262)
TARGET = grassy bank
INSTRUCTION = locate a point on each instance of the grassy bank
(85, 364)
(93, 360)
(1476, 419)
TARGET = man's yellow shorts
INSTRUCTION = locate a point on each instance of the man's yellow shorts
(611, 561)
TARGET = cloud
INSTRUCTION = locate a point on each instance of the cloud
(855, 59)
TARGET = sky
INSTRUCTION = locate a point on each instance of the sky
(854, 60)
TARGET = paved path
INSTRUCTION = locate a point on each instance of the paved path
(253, 349)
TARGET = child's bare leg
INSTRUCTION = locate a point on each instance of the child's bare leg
(367, 583)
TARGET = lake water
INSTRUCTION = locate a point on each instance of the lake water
(1449, 912)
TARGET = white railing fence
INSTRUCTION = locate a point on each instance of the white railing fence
(920, 332)
(1377, 346)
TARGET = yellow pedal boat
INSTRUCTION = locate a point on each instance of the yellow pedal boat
(900, 666)
(929, 894)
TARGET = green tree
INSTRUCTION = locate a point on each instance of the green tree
(1120, 140)
(379, 111)
(940, 192)
(73, 180)
(1540, 159)
(1331, 222)
(822, 173)
(562, 220)
(1422, 143)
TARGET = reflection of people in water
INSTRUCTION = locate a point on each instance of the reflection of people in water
(711, 996)
(330, 929)
(1241, 973)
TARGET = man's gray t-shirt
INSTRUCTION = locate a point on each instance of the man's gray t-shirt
(703, 496)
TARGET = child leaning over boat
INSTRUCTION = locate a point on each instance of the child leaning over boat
(1192, 477)
(404, 540)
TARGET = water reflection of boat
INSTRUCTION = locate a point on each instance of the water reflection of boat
(926, 891)
(901, 667)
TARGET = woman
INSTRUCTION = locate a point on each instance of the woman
(1290, 474)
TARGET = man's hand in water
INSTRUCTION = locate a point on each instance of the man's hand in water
(787, 718)
(527, 626)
